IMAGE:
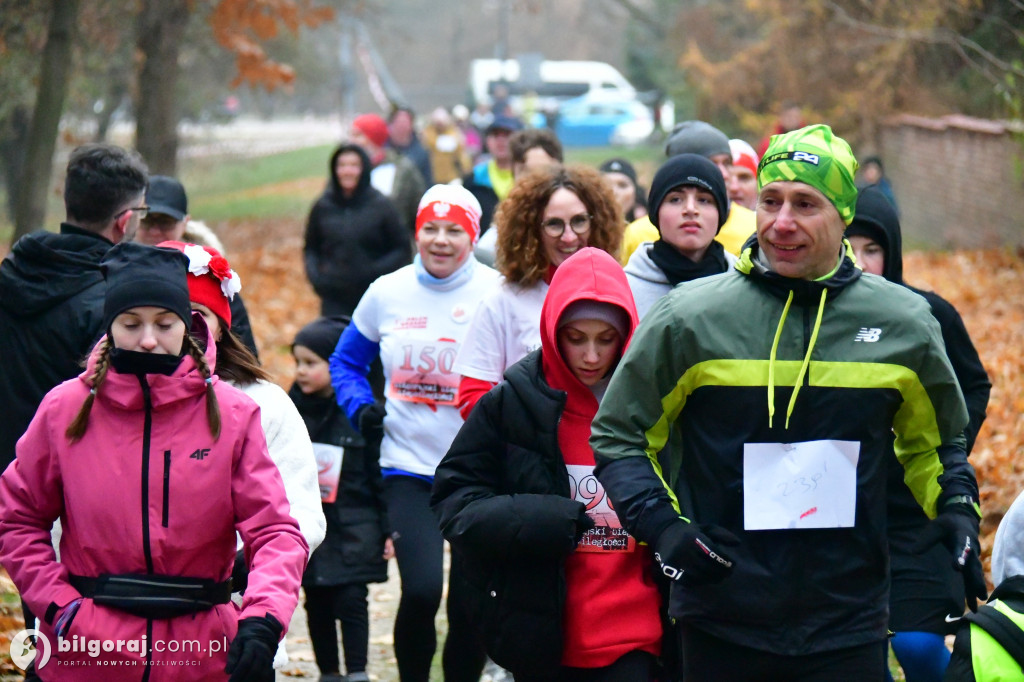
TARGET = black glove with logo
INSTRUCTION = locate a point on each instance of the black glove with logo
(695, 555)
(251, 654)
(370, 421)
(956, 527)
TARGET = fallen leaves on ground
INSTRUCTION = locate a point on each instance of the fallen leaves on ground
(987, 288)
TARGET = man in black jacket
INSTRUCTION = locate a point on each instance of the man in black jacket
(51, 287)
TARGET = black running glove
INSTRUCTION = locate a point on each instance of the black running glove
(583, 523)
(370, 421)
(251, 654)
(956, 527)
(695, 555)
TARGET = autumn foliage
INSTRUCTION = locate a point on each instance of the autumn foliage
(987, 287)
(850, 62)
(242, 26)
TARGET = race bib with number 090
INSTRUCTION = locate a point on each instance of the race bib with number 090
(607, 535)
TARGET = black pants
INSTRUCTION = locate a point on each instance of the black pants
(419, 550)
(636, 666)
(346, 603)
(706, 657)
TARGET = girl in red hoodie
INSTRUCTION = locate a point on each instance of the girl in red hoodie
(561, 591)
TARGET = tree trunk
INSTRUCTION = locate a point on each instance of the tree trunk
(161, 28)
(30, 209)
(117, 88)
(12, 154)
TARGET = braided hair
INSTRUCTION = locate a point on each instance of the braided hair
(212, 406)
(76, 429)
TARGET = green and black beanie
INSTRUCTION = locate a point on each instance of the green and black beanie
(816, 156)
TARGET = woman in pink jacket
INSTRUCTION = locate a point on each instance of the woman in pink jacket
(151, 464)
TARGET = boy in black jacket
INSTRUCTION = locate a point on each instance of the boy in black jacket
(357, 547)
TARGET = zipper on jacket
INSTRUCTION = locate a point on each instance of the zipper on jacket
(167, 486)
(147, 432)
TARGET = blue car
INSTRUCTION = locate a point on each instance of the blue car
(599, 122)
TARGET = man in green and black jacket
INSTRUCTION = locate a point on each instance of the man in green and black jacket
(783, 381)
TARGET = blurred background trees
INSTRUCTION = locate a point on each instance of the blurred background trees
(852, 62)
(160, 62)
(87, 57)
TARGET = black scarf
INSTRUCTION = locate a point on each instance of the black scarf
(136, 362)
(678, 268)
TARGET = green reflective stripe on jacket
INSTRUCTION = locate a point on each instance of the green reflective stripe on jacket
(915, 423)
(991, 662)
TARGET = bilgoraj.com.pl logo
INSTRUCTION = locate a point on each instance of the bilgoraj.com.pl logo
(27, 646)
(31, 645)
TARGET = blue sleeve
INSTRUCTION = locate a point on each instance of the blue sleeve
(350, 365)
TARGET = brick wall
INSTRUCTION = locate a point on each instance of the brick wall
(959, 181)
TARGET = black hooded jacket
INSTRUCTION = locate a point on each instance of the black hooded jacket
(353, 549)
(877, 217)
(51, 315)
(351, 241)
(924, 586)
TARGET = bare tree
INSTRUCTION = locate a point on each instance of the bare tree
(30, 207)
(160, 28)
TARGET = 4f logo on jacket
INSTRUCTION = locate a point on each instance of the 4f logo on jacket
(200, 454)
(868, 334)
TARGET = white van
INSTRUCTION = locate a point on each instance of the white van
(549, 80)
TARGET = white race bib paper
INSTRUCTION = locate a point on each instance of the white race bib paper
(328, 464)
(800, 485)
(607, 535)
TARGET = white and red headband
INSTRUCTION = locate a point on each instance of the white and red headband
(743, 155)
(451, 203)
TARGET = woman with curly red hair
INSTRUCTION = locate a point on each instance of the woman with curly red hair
(548, 216)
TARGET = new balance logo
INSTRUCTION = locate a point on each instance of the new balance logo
(200, 454)
(868, 334)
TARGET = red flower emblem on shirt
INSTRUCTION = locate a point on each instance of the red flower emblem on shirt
(220, 268)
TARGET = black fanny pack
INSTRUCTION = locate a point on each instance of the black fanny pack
(153, 596)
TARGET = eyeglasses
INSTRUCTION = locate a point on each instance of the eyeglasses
(555, 227)
(143, 211)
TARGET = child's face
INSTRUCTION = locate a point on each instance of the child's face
(870, 254)
(312, 373)
(590, 348)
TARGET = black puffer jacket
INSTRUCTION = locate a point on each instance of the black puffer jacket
(351, 241)
(513, 533)
(353, 549)
(51, 314)
(925, 587)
